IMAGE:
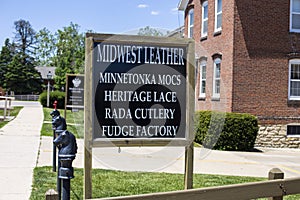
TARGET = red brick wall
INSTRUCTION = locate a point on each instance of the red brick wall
(214, 44)
(262, 43)
(255, 44)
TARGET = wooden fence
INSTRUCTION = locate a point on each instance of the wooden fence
(274, 189)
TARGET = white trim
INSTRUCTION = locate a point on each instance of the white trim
(191, 11)
(291, 18)
(202, 64)
(294, 61)
(204, 4)
(217, 14)
(215, 94)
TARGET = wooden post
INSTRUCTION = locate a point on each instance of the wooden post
(276, 173)
(88, 119)
(189, 168)
(189, 150)
(51, 195)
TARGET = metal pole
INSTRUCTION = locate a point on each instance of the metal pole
(54, 154)
(66, 189)
(58, 181)
(48, 94)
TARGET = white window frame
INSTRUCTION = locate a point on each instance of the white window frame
(216, 94)
(218, 29)
(203, 20)
(191, 25)
(291, 17)
(292, 62)
(203, 64)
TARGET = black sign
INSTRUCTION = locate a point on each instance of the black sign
(75, 92)
(139, 90)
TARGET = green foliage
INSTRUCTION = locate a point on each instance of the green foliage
(17, 62)
(54, 96)
(226, 131)
(148, 31)
(6, 56)
(70, 54)
(45, 48)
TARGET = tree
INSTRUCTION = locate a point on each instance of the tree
(24, 37)
(148, 31)
(22, 78)
(45, 48)
(21, 75)
(6, 56)
(69, 58)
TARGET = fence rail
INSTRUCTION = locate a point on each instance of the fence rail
(271, 188)
(28, 97)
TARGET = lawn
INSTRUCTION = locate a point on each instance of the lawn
(74, 122)
(109, 183)
(14, 112)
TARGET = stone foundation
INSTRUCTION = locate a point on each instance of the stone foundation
(275, 136)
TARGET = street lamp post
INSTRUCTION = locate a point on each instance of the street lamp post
(49, 77)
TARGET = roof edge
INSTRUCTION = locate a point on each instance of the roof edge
(182, 5)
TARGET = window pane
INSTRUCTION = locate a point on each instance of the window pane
(219, 9)
(295, 21)
(295, 88)
(295, 71)
(203, 72)
(296, 6)
(191, 17)
(205, 27)
(217, 86)
(203, 86)
(205, 12)
(293, 130)
(218, 69)
(219, 21)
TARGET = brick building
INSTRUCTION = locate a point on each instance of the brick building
(248, 61)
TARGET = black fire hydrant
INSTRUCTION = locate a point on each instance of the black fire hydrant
(59, 125)
(66, 142)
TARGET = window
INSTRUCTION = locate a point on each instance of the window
(217, 78)
(294, 80)
(218, 15)
(191, 23)
(293, 130)
(204, 26)
(202, 79)
(295, 16)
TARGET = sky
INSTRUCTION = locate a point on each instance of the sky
(100, 16)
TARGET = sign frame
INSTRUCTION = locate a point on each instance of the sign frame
(89, 102)
(67, 93)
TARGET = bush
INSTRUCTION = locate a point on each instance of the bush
(226, 131)
(55, 95)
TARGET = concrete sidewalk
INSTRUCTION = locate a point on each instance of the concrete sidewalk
(19, 145)
(171, 160)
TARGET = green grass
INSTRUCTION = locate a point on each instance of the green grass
(108, 183)
(74, 122)
(14, 112)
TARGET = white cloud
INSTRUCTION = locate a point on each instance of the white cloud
(154, 13)
(142, 6)
(174, 9)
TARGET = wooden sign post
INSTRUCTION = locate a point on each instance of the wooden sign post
(139, 91)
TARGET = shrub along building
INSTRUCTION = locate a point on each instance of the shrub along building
(248, 61)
